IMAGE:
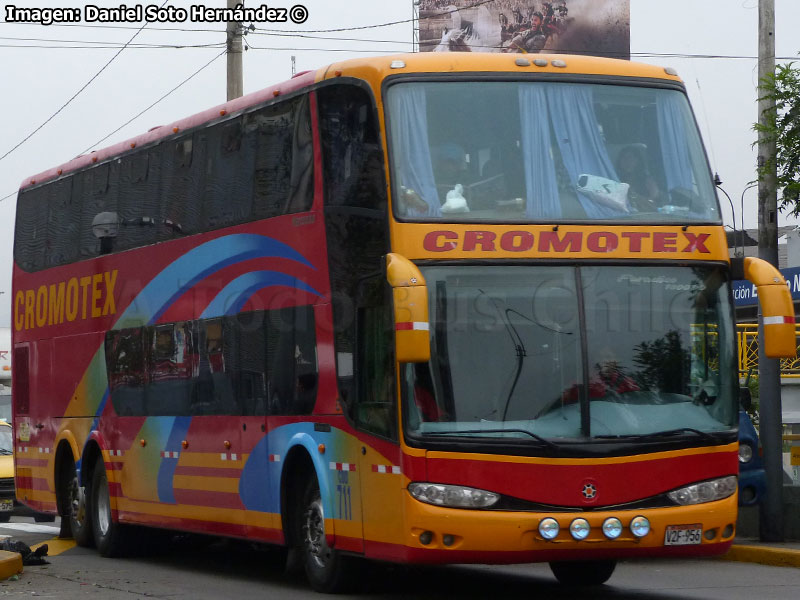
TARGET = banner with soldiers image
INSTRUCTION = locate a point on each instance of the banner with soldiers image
(594, 27)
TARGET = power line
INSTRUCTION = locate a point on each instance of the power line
(132, 119)
(139, 114)
(76, 94)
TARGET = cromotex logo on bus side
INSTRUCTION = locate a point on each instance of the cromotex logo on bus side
(600, 242)
(86, 297)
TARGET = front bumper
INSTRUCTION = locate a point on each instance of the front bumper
(513, 537)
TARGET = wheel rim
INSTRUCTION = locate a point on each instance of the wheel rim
(314, 534)
(103, 507)
(77, 501)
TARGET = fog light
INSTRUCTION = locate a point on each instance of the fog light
(710, 534)
(640, 526)
(548, 528)
(579, 528)
(728, 531)
(425, 537)
(448, 540)
(612, 528)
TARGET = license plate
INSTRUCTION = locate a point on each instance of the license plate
(6, 505)
(683, 535)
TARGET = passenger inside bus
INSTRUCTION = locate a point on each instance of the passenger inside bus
(644, 193)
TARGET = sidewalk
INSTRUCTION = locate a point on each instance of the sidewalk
(784, 554)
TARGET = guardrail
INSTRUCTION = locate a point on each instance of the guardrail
(747, 343)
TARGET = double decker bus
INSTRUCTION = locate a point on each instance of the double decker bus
(425, 308)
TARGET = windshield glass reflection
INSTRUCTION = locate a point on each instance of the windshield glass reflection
(514, 353)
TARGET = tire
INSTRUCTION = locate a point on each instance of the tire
(76, 510)
(583, 572)
(111, 539)
(44, 518)
(327, 570)
(5, 517)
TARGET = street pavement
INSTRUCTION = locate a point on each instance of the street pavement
(195, 567)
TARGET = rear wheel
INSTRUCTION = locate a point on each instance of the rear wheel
(583, 572)
(326, 568)
(111, 539)
(77, 511)
(5, 517)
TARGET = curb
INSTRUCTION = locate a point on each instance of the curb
(777, 557)
(10, 564)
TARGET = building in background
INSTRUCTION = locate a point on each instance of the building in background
(526, 26)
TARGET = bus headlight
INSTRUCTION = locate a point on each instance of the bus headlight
(745, 452)
(706, 491)
(455, 496)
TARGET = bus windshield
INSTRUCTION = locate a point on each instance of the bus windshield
(597, 352)
(546, 152)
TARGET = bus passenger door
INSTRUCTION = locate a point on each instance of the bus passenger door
(375, 414)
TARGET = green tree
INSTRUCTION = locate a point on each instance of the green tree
(783, 127)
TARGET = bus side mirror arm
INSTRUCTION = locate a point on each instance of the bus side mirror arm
(776, 306)
(410, 300)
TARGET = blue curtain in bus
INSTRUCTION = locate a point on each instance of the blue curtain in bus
(543, 201)
(408, 108)
(580, 141)
(673, 138)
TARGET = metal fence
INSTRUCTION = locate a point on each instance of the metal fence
(747, 342)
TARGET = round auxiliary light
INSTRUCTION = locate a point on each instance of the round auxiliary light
(612, 528)
(580, 528)
(640, 526)
(548, 528)
(745, 453)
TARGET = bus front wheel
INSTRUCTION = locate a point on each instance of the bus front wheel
(111, 539)
(327, 569)
(583, 572)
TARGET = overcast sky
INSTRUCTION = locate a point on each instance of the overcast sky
(36, 82)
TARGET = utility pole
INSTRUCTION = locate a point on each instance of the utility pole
(414, 25)
(769, 381)
(234, 48)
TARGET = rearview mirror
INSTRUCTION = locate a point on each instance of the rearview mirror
(410, 300)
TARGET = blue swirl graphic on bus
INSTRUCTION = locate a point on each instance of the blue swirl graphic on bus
(236, 294)
(194, 266)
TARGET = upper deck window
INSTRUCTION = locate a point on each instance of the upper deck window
(538, 151)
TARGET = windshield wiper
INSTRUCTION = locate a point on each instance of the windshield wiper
(4, 452)
(538, 438)
(659, 434)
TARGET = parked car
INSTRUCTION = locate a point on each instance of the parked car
(7, 497)
(8, 502)
(752, 479)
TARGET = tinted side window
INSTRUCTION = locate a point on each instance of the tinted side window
(216, 366)
(292, 356)
(138, 196)
(31, 230)
(63, 224)
(352, 154)
(93, 191)
(376, 407)
(125, 361)
(228, 195)
(283, 181)
(183, 178)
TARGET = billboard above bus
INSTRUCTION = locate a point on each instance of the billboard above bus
(598, 28)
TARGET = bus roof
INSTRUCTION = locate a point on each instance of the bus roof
(373, 70)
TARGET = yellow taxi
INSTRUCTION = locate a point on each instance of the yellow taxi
(6, 472)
